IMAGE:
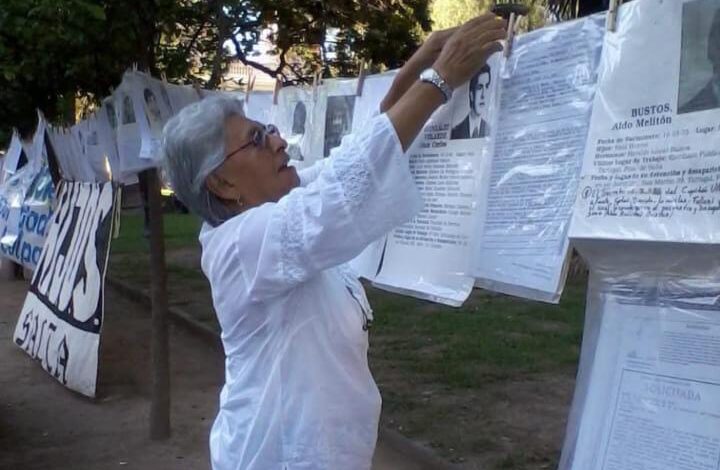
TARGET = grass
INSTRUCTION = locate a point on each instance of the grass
(187, 287)
(465, 380)
(181, 230)
(454, 378)
(490, 338)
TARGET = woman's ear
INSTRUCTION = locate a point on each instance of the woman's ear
(221, 187)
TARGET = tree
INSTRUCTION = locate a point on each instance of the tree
(332, 37)
(54, 50)
(51, 51)
(569, 9)
(449, 13)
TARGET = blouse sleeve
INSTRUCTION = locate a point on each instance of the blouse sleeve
(362, 193)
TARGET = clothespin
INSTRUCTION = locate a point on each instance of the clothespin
(611, 24)
(276, 91)
(510, 35)
(135, 67)
(361, 78)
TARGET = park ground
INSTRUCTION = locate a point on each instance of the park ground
(485, 386)
(44, 426)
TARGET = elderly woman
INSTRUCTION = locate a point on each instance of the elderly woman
(298, 392)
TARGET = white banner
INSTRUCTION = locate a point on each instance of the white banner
(62, 317)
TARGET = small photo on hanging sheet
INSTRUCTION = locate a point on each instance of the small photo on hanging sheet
(699, 87)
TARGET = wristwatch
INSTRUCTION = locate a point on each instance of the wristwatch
(430, 75)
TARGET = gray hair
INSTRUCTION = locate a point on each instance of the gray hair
(193, 146)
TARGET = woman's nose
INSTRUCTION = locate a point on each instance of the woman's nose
(276, 142)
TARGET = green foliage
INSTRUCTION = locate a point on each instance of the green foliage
(331, 36)
(54, 50)
(449, 13)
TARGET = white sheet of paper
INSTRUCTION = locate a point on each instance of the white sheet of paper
(545, 99)
(95, 151)
(152, 110)
(78, 158)
(651, 169)
(180, 95)
(128, 111)
(106, 124)
(258, 106)
(37, 154)
(653, 393)
(295, 117)
(429, 257)
(12, 157)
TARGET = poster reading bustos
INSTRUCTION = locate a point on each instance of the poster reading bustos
(652, 162)
(61, 320)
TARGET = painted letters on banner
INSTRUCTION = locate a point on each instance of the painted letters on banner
(61, 319)
(26, 202)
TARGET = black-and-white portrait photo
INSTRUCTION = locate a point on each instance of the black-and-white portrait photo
(297, 132)
(152, 111)
(699, 84)
(338, 120)
(110, 111)
(128, 113)
(475, 123)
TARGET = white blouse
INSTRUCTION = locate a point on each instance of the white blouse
(298, 392)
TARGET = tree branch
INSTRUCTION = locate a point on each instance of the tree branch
(188, 47)
(251, 63)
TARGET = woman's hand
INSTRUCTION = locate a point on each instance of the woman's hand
(469, 47)
(423, 58)
(429, 51)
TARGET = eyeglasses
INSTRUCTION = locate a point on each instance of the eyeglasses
(258, 139)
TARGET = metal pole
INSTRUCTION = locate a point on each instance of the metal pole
(159, 350)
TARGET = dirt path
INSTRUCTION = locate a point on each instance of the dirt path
(45, 426)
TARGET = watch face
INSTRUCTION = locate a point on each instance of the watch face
(431, 76)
